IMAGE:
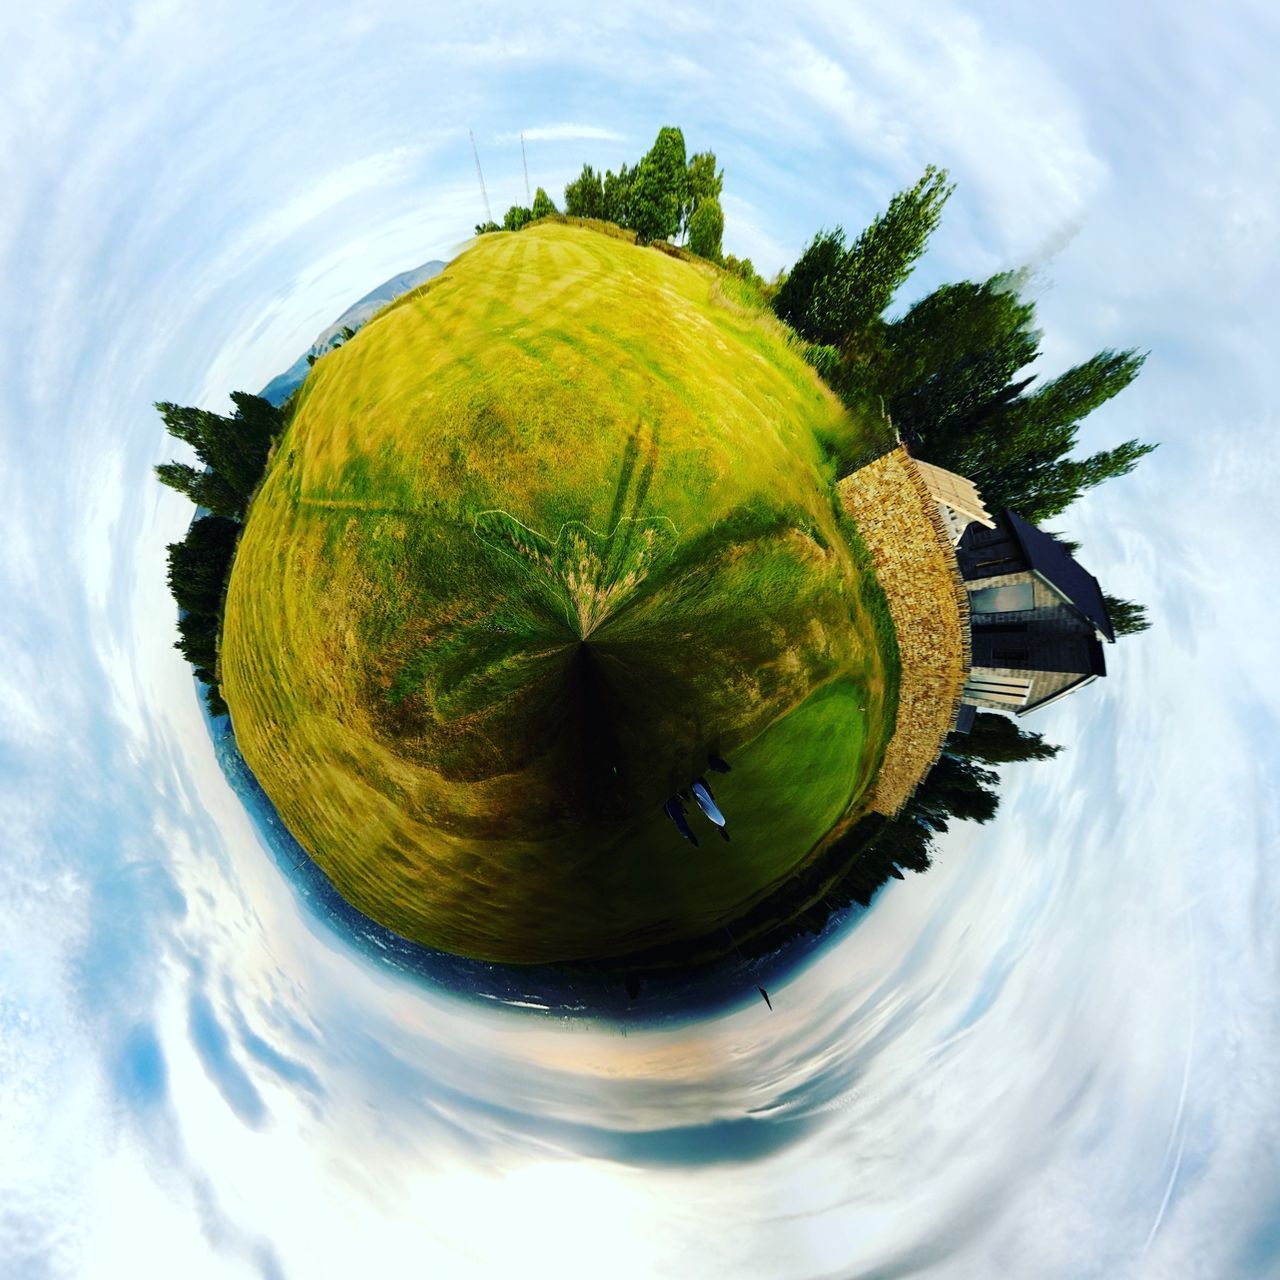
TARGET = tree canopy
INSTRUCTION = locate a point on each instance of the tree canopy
(954, 372)
(706, 227)
(660, 192)
(234, 451)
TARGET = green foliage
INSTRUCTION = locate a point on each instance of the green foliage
(234, 448)
(1127, 617)
(615, 196)
(584, 196)
(825, 359)
(945, 363)
(235, 451)
(835, 292)
(543, 205)
(205, 488)
(199, 564)
(483, 228)
(516, 217)
(706, 227)
(797, 301)
(996, 739)
(950, 372)
(703, 182)
(660, 191)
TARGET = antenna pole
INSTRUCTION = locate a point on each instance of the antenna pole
(488, 214)
(525, 159)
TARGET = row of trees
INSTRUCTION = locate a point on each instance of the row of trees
(961, 786)
(950, 372)
(665, 196)
(519, 215)
(233, 452)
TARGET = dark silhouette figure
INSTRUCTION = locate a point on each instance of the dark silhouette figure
(717, 764)
(675, 811)
(767, 1001)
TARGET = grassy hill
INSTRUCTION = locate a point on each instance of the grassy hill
(542, 535)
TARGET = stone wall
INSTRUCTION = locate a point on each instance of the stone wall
(904, 531)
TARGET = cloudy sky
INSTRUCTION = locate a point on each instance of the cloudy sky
(1056, 1055)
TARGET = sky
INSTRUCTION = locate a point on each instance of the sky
(1056, 1054)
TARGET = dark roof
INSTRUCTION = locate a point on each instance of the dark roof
(1095, 661)
(1056, 564)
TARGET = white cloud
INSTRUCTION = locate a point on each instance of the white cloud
(1056, 1054)
(564, 133)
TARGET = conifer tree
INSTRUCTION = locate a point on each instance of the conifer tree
(996, 739)
(1127, 617)
(834, 293)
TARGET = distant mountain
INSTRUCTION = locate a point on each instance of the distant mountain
(280, 388)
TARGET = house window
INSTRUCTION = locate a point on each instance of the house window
(1010, 599)
(1011, 657)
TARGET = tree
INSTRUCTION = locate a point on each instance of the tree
(516, 217)
(615, 196)
(840, 290)
(483, 228)
(995, 739)
(703, 182)
(235, 448)
(205, 488)
(1127, 618)
(943, 364)
(543, 205)
(706, 228)
(660, 190)
(794, 301)
(584, 196)
(200, 564)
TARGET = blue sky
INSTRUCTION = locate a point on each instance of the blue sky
(1056, 1055)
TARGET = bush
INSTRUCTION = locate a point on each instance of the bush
(706, 228)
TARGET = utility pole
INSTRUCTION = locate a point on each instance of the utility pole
(488, 213)
(527, 197)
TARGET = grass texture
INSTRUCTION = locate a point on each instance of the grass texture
(542, 535)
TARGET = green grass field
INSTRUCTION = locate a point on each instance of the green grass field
(543, 534)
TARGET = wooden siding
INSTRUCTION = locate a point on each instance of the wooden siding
(915, 563)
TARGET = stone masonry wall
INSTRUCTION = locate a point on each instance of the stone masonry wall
(916, 565)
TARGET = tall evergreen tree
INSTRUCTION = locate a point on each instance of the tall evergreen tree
(205, 488)
(235, 448)
(834, 292)
(543, 205)
(1127, 618)
(944, 364)
(200, 564)
(996, 739)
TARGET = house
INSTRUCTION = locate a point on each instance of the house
(1038, 619)
(959, 503)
